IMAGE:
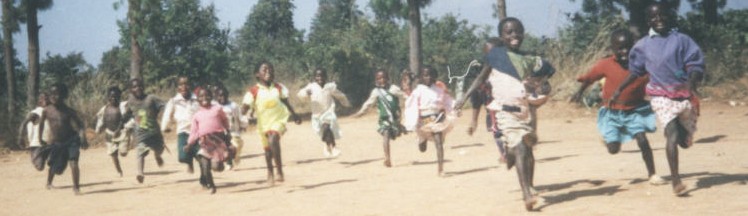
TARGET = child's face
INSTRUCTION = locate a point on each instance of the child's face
(265, 74)
(183, 86)
(136, 88)
(512, 35)
(381, 79)
(428, 77)
(43, 101)
(621, 45)
(204, 98)
(113, 97)
(54, 96)
(221, 97)
(320, 77)
(659, 19)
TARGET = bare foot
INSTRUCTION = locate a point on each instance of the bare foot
(50, 187)
(387, 163)
(656, 180)
(140, 178)
(76, 191)
(190, 169)
(271, 180)
(212, 189)
(422, 146)
(160, 161)
(679, 189)
(529, 203)
(280, 178)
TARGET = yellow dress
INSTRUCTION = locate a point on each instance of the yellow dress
(270, 112)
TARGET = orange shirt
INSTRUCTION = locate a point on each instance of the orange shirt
(631, 97)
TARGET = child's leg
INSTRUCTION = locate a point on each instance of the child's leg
(500, 144)
(439, 142)
(386, 145)
(613, 147)
(50, 177)
(205, 173)
(75, 171)
(274, 139)
(115, 160)
(524, 162)
(185, 157)
(672, 135)
(141, 167)
(268, 158)
(239, 143)
(641, 140)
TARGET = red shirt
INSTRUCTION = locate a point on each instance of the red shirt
(631, 97)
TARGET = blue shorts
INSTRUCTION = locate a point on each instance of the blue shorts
(621, 125)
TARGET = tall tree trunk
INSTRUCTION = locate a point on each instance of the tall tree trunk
(501, 9)
(32, 28)
(136, 53)
(414, 15)
(8, 52)
(710, 11)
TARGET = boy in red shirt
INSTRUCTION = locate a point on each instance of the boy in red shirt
(630, 115)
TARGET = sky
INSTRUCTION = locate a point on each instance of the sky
(91, 26)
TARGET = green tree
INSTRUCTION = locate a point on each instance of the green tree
(179, 37)
(32, 28)
(709, 9)
(269, 34)
(449, 42)
(389, 9)
(65, 69)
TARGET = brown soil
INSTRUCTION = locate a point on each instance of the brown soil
(574, 174)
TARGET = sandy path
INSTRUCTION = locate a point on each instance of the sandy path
(574, 174)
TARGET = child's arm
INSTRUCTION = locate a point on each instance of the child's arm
(81, 127)
(305, 92)
(168, 116)
(42, 122)
(192, 138)
(100, 120)
(476, 83)
(22, 132)
(370, 101)
(295, 117)
(629, 79)
(340, 97)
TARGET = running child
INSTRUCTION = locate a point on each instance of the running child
(181, 108)
(428, 111)
(481, 98)
(675, 65)
(110, 121)
(210, 128)
(144, 109)
(268, 101)
(237, 124)
(629, 117)
(517, 81)
(29, 132)
(387, 97)
(67, 134)
(323, 95)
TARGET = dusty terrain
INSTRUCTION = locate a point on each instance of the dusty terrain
(574, 174)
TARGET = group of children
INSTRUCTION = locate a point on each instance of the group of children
(665, 65)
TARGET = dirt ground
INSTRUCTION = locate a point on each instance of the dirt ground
(574, 174)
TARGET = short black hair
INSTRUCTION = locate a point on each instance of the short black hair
(503, 22)
(621, 32)
(432, 70)
(383, 72)
(222, 88)
(114, 89)
(666, 9)
(262, 62)
(61, 88)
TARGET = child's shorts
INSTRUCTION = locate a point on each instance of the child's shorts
(620, 126)
(116, 142)
(684, 110)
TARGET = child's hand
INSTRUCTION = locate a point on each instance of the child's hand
(613, 98)
(296, 119)
(308, 92)
(576, 98)
(252, 120)
(358, 115)
(84, 144)
(166, 130)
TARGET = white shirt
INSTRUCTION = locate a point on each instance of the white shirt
(181, 110)
(323, 98)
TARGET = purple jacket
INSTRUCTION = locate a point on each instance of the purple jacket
(669, 60)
